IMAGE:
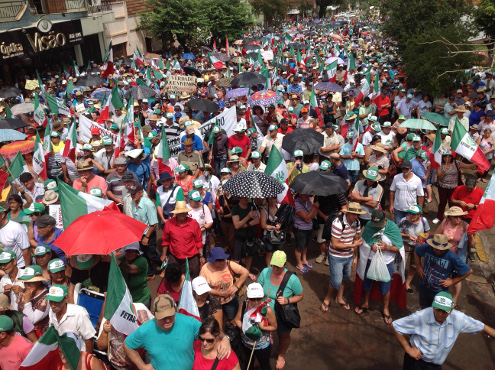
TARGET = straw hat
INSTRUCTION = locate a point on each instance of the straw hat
(431, 137)
(455, 211)
(379, 147)
(355, 208)
(184, 95)
(181, 207)
(439, 241)
(461, 109)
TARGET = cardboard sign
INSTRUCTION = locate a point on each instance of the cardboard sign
(178, 84)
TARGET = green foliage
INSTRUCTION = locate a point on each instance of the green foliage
(274, 11)
(432, 39)
(484, 17)
(194, 21)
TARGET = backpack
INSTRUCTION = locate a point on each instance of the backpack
(327, 229)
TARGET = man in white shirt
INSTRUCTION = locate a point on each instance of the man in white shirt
(330, 140)
(256, 164)
(66, 317)
(388, 136)
(460, 116)
(14, 238)
(406, 190)
(374, 130)
(34, 189)
(270, 139)
(9, 285)
(487, 122)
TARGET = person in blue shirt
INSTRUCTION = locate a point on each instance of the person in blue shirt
(440, 263)
(168, 338)
(197, 142)
(477, 82)
(138, 164)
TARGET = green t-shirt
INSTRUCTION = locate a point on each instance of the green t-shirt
(292, 288)
(242, 213)
(137, 283)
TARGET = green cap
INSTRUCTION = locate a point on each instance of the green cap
(377, 218)
(114, 126)
(56, 265)
(415, 210)
(50, 185)
(96, 192)
(402, 118)
(41, 250)
(325, 165)
(251, 130)
(87, 147)
(376, 127)
(371, 173)
(152, 135)
(216, 130)
(444, 131)
(350, 134)
(290, 109)
(443, 301)
(183, 168)
(236, 150)
(416, 138)
(410, 136)
(169, 115)
(55, 134)
(272, 127)
(6, 323)
(57, 293)
(31, 272)
(422, 154)
(7, 256)
(106, 140)
(194, 195)
(198, 184)
(256, 154)
(298, 153)
(35, 207)
(85, 261)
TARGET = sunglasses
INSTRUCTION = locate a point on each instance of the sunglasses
(207, 340)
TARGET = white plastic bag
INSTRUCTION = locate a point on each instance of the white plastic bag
(378, 270)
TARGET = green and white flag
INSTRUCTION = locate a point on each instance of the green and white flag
(17, 167)
(45, 353)
(57, 107)
(463, 144)
(118, 307)
(275, 166)
(39, 113)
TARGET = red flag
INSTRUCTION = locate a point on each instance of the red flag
(105, 113)
(107, 72)
(3, 179)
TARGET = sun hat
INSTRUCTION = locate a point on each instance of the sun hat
(217, 253)
(163, 306)
(279, 258)
(256, 154)
(255, 290)
(35, 207)
(84, 165)
(50, 197)
(57, 293)
(4, 303)
(41, 250)
(200, 285)
(31, 274)
(7, 256)
(415, 209)
(455, 211)
(325, 165)
(298, 153)
(56, 265)
(377, 218)
(379, 147)
(461, 109)
(183, 168)
(181, 207)
(440, 242)
(6, 323)
(194, 195)
(354, 207)
(372, 174)
(443, 301)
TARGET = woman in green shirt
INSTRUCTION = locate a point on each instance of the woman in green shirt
(270, 279)
(135, 272)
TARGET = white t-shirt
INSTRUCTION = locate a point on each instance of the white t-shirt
(76, 320)
(406, 192)
(5, 280)
(14, 237)
(201, 214)
(387, 139)
(366, 139)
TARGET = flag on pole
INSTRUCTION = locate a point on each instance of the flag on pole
(187, 303)
(463, 144)
(66, 71)
(160, 63)
(314, 103)
(164, 153)
(118, 307)
(75, 68)
(70, 143)
(157, 74)
(39, 159)
(276, 168)
(8, 112)
(364, 91)
(105, 112)
(436, 152)
(45, 352)
(215, 45)
(17, 167)
(75, 203)
(3, 179)
(176, 64)
(216, 62)
(57, 107)
(115, 100)
(332, 71)
(256, 315)
(484, 216)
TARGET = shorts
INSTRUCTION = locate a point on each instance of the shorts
(303, 237)
(410, 255)
(269, 247)
(340, 270)
(319, 233)
(384, 287)
(230, 309)
(282, 328)
(238, 247)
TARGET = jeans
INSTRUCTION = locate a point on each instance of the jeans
(398, 215)
(384, 287)
(340, 270)
(150, 253)
(353, 176)
(220, 163)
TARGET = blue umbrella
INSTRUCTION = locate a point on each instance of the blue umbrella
(100, 92)
(11, 135)
(187, 56)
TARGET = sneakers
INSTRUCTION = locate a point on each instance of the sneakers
(321, 258)
(436, 221)
(326, 262)
(472, 258)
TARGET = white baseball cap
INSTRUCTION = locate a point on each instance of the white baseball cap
(200, 285)
(255, 290)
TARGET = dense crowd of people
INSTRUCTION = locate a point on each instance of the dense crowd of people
(324, 84)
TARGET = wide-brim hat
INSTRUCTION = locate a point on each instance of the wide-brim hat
(379, 177)
(461, 109)
(181, 207)
(379, 147)
(431, 137)
(355, 208)
(58, 126)
(85, 166)
(440, 242)
(455, 211)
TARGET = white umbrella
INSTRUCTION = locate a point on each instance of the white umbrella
(333, 59)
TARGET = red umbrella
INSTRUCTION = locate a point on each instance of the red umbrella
(100, 232)
(10, 150)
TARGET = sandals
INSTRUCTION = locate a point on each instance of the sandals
(346, 306)
(362, 309)
(280, 364)
(308, 265)
(304, 270)
(386, 319)
(324, 307)
(409, 291)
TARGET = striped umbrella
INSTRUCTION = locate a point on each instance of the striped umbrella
(10, 150)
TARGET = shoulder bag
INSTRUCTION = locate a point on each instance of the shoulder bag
(242, 289)
(288, 313)
(271, 235)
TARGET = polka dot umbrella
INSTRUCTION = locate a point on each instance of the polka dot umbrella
(253, 184)
(264, 98)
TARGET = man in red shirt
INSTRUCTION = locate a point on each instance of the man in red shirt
(467, 197)
(383, 104)
(284, 127)
(181, 239)
(13, 347)
(241, 140)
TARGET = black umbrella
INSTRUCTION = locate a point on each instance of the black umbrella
(253, 184)
(203, 105)
(140, 92)
(248, 79)
(191, 70)
(12, 123)
(283, 67)
(90, 80)
(318, 183)
(221, 56)
(252, 47)
(307, 140)
(9, 92)
(298, 46)
(252, 55)
(329, 86)
(94, 70)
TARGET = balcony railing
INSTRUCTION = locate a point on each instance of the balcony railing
(10, 9)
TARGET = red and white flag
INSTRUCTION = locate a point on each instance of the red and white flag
(105, 112)
(70, 144)
(365, 90)
(484, 217)
(216, 62)
(39, 159)
(187, 303)
(436, 152)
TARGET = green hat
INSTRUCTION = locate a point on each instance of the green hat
(335, 127)
(87, 147)
(57, 293)
(422, 154)
(106, 140)
(349, 115)
(290, 109)
(152, 135)
(298, 153)
(55, 134)
(371, 173)
(251, 130)
(415, 210)
(114, 126)
(96, 192)
(183, 168)
(256, 154)
(387, 124)
(31, 273)
(377, 218)
(376, 127)
(325, 165)
(198, 184)
(85, 261)
(410, 136)
(416, 138)
(169, 115)
(225, 170)
(6, 323)
(272, 127)
(35, 207)
(194, 195)
(444, 131)
(50, 185)
(279, 258)
(236, 150)
(350, 134)
(56, 265)
(443, 301)
(402, 118)
(41, 250)
(157, 111)
(7, 256)
(216, 130)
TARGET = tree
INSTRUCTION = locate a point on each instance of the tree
(432, 40)
(273, 10)
(228, 18)
(323, 4)
(484, 18)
